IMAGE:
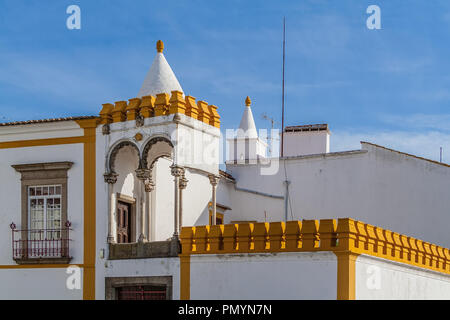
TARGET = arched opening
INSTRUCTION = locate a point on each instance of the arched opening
(158, 158)
(124, 192)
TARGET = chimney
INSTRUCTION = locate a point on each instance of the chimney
(306, 139)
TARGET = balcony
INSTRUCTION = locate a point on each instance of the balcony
(144, 250)
(41, 246)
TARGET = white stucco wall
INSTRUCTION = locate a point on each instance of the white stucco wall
(248, 206)
(163, 200)
(30, 282)
(139, 268)
(59, 129)
(10, 193)
(38, 284)
(196, 198)
(302, 143)
(379, 187)
(300, 275)
(240, 149)
(382, 279)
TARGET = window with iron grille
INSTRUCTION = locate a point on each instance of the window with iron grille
(139, 288)
(142, 293)
(44, 203)
(43, 235)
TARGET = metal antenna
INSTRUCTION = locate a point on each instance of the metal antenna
(272, 123)
(266, 117)
(282, 96)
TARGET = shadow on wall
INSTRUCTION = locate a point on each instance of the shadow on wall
(203, 219)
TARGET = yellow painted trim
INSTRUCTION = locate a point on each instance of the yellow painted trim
(314, 235)
(89, 217)
(346, 282)
(218, 215)
(185, 277)
(89, 140)
(41, 142)
(162, 104)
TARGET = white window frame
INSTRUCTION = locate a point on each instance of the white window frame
(45, 198)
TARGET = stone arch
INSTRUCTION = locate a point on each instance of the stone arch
(162, 153)
(115, 150)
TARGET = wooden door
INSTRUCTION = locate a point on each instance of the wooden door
(123, 222)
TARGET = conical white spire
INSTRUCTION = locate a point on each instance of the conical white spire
(160, 78)
(247, 128)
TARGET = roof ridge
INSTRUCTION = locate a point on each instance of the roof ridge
(25, 122)
(407, 154)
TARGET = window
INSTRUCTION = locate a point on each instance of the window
(220, 211)
(44, 203)
(138, 288)
(142, 293)
(43, 235)
(219, 217)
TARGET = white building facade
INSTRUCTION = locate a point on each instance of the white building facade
(131, 204)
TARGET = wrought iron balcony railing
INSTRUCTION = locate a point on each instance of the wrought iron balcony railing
(30, 245)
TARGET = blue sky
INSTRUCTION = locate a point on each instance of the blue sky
(388, 86)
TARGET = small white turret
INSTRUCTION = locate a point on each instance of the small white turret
(246, 145)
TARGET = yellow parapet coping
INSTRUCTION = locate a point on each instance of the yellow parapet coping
(347, 235)
(162, 104)
(346, 238)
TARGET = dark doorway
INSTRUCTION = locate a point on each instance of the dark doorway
(123, 222)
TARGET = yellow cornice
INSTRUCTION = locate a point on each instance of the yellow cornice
(42, 142)
(162, 104)
(88, 123)
(132, 109)
(345, 236)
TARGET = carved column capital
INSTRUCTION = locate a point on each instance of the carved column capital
(143, 174)
(213, 179)
(106, 129)
(149, 185)
(177, 171)
(110, 177)
(183, 182)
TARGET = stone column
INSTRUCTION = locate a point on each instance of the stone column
(143, 175)
(214, 180)
(183, 185)
(110, 179)
(177, 172)
(149, 186)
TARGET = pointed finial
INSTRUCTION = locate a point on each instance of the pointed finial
(159, 46)
(248, 102)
